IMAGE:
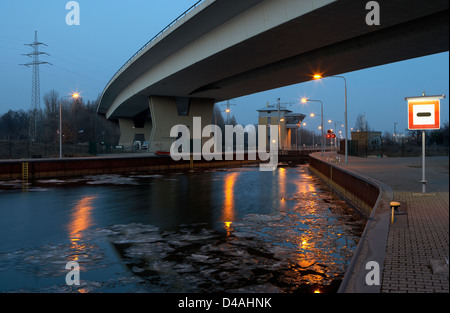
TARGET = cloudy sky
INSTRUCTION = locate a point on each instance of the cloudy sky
(85, 57)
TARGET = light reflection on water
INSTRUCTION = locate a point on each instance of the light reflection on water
(228, 215)
(81, 220)
(285, 217)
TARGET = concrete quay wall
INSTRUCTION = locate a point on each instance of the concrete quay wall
(75, 167)
(371, 198)
(358, 191)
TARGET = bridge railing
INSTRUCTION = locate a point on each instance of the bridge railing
(154, 37)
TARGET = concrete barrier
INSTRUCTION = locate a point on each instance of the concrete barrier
(356, 190)
(370, 197)
(76, 167)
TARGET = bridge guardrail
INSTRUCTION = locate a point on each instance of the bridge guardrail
(153, 38)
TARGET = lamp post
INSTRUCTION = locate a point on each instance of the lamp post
(301, 130)
(318, 76)
(215, 117)
(395, 132)
(304, 100)
(73, 96)
(228, 110)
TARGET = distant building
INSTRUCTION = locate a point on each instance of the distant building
(365, 142)
(287, 121)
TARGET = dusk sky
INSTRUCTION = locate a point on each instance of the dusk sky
(85, 57)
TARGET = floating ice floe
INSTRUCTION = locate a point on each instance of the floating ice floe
(50, 260)
(146, 176)
(260, 253)
(51, 181)
(111, 179)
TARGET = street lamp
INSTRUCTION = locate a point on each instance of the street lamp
(318, 76)
(227, 110)
(228, 115)
(74, 96)
(304, 100)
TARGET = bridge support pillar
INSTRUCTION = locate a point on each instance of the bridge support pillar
(132, 130)
(167, 112)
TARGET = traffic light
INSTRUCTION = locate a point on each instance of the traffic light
(330, 134)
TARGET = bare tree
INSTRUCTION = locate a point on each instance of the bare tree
(361, 123)
(50, 122)
(51, 101)
(218, 118)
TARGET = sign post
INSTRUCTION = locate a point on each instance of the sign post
(423, 114)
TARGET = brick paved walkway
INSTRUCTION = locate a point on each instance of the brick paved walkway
(419, 237)
(412, 245)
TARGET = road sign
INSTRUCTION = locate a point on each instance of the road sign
(423, 112)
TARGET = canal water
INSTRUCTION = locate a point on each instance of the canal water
(232, 230)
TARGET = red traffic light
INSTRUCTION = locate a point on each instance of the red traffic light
(333, 136)
(328, 135)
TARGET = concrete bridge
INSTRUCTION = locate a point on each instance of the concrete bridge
(223, 49)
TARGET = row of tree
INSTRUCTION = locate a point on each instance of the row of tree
(80, 122)
(435, 137)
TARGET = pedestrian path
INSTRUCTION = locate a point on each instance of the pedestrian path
(417, 246)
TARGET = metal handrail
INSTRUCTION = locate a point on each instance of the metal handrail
(153, 38)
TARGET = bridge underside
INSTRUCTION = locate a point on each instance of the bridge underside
(373, 49)
(329, 40)
(245, 68)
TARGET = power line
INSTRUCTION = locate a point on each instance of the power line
(35, 107)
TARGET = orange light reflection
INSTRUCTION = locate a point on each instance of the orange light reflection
(228, 206)
(282, 186)
(81, 220)
(304, 187)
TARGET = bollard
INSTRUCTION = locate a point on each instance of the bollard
(394, 206)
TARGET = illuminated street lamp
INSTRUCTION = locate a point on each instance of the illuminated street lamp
(227, 110)
(215, 116)
(74, 96)
(304, 100)
(318, 76)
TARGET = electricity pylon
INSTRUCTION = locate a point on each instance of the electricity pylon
(35, 107)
